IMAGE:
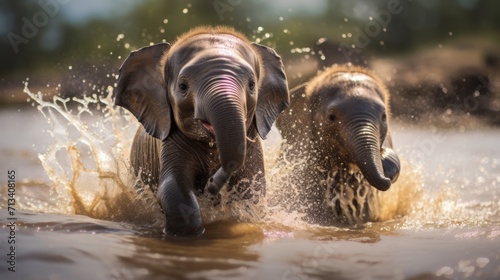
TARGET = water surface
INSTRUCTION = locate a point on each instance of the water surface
(79, 218)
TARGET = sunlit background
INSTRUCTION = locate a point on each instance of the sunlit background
(423, 49)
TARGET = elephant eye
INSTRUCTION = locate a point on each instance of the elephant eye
(183, 86)
(384, 117)
(251, 84)
(332, 117)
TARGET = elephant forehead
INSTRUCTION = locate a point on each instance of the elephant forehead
(352, 80)
(347, 85)
(208, 62)
(360, 84)
(214, 44)
(354, 77)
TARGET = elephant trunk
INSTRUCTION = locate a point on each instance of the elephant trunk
(226, 115)
(366, 154)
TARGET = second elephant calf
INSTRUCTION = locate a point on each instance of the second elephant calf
(337, 125)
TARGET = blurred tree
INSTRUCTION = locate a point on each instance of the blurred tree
(103, 42)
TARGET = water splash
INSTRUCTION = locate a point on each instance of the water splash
(346, 196)
(351, 194)
(88, 165)
(410, 204)
(418, 205)
(88, 162)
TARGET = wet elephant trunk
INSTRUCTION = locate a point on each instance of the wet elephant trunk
(226, 115)
(365, 151)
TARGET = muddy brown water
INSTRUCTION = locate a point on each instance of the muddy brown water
(77, 216)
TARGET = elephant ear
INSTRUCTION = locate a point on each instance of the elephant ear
(273, 90)
(142, 89)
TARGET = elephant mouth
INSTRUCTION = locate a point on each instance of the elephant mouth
(208, 127)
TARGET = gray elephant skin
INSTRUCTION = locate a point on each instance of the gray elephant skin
(337, 123)
(203, 103)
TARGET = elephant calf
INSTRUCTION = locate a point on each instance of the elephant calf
(337, 124)
(203, 102)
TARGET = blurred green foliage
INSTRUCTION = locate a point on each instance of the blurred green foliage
(284, 25)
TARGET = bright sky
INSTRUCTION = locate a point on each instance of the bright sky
(80, 11)
(311, 7)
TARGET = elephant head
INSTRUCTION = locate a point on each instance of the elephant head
(212, 85)
(348, 122)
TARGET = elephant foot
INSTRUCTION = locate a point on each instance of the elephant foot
(217, 181)
(188, 223)
(212, 187)
(182, 211)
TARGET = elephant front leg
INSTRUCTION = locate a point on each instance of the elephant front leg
(175, 194)
(182, 212)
